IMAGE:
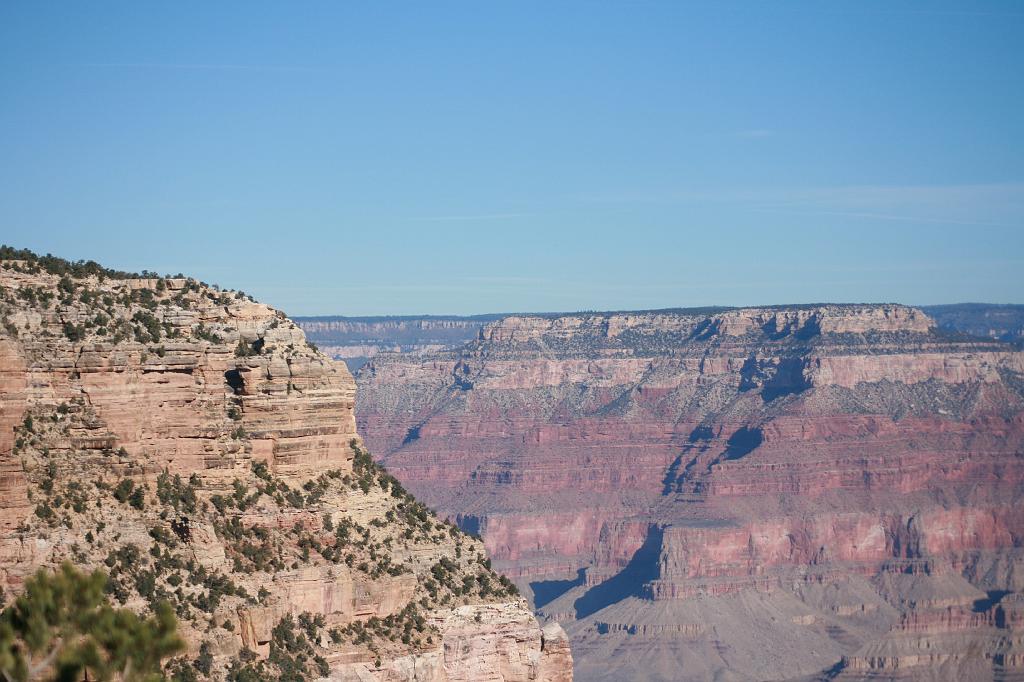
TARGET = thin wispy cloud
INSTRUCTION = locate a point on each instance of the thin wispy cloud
(930, 266)
(865, 9)
(754, 133)
(995, 205)
(174, 66)
(866, 195)
(950, 13)
(885, 216)
(478, 216)
(509, 280)
(1010, 192)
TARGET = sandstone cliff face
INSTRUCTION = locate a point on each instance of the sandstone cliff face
(763, 493)
(189, 441)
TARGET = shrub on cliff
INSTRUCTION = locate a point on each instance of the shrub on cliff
(124, 489)
(137, 499)
(74, 332)
(174, 492)
(148, 327)
(201, 332)
(243, 349)
(44, 511)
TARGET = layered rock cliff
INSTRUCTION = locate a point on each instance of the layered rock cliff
(769, 493)
(188, 440)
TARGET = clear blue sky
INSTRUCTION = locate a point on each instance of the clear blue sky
(421, 157)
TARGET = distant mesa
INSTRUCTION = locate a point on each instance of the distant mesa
(784, 492)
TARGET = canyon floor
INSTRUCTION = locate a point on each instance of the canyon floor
(791, 492)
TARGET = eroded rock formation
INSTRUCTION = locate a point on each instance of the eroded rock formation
(189, 441)
(769, 493)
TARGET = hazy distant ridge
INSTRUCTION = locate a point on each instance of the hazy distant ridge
(356, 339)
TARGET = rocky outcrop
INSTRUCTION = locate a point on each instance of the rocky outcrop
(694, 491)
(190, 442)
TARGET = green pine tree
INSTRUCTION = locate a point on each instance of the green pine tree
(62, 625)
